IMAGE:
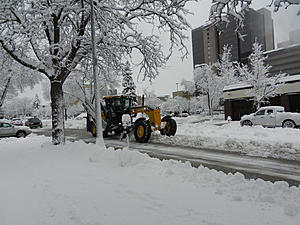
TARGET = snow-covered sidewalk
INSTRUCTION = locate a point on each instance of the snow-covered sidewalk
(198, 131)
(82, 184)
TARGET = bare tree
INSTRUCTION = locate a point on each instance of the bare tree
(210, 84)
(188, 86)
(14, 77)
(264, 86)
(53, 37)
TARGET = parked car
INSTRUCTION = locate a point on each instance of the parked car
(34, 123)
(199, 111)
(271, 116)
(10, 130)
(183, 114)
(17, 122)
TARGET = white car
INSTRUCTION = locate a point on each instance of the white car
(271, 116)
(17, 122)
(10, 130)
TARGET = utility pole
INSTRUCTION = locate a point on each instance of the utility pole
(99, 134)
(177, 86)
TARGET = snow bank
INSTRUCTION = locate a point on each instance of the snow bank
(198, 131)
(81, 184)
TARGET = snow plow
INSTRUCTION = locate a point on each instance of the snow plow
(114, 107)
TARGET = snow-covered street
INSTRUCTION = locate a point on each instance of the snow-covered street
(82, 184)
(198, 131)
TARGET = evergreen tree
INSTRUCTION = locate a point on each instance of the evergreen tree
(128, 84)
(36, 104)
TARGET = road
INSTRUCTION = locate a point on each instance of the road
(228, 162)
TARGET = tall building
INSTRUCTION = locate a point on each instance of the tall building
(209, 39)
(294, 39)
(205, 44)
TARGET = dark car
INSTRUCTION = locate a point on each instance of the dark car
(34, 123)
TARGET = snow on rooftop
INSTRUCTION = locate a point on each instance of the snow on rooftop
(290, 78)
(244, 85)
(272, 107)
(282, 48)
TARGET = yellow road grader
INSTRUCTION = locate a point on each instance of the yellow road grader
(144, 119)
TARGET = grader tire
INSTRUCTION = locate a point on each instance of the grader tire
(170, 128)
(142, 131)
(94, 130)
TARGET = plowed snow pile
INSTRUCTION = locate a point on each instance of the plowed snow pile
(82, 184)
(194, 131)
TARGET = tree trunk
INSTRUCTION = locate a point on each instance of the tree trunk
(209, 100)
(57, 105)
(66, 114)
(211, 111)
(3, 96)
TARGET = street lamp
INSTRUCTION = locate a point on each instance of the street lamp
(99, 135)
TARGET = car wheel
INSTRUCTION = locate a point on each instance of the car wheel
(247, 123)
(288, 124)
(21, 134)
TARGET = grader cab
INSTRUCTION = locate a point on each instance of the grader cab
(144, 119)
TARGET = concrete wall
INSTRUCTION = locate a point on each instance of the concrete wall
(285, 60)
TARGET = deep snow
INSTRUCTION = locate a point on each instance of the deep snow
(82, 184)
(199, 131)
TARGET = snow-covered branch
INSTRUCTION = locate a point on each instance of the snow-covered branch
(222, 9)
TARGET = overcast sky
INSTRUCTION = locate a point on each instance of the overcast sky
(284, 21)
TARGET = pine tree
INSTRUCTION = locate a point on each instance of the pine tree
(36, 104)
(128, 84)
